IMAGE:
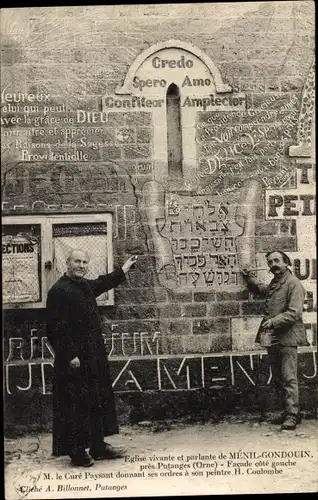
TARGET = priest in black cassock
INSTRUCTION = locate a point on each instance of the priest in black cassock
(83, 400)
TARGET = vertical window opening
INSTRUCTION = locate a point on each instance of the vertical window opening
(174, 135)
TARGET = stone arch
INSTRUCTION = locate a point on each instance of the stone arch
(220, 86)
(306, 118)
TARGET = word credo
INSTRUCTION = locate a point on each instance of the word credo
(157, 63)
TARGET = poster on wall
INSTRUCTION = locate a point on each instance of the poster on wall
(20, 267)
(159, 250)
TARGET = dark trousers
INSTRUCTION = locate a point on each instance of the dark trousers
(283, 362)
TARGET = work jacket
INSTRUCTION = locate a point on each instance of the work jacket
(284, 303)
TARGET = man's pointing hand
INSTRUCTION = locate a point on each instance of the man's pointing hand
(75, 363)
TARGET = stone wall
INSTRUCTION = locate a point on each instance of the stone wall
(182, 328)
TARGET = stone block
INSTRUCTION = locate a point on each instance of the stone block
(272, 84)
(204, 296)
(98, 55)
(77, 55)
(110, 153)
(135, 295)
(141, 277)
(144, 135)
(172, 345)
(244, 332)
(223, 309)
(252, 85)
(176, 296)
(44, 72)
(77, 87)
(139, 151)
(267, 228)
(138, 119)
(136, 312)
(293, 83)
(211, 326)
(28, 56)
(220, 343)
(197, 344)
(286, 244)
(179, 326)
(169, 311)
(194, 310)
(96, 87)
(236, 296)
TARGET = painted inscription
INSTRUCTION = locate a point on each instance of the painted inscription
(202, 236)
(192, 372)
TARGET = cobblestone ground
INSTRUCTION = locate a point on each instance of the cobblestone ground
(234, 456)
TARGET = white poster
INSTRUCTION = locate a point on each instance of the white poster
(20, 267)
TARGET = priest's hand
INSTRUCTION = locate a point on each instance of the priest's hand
(75, 363)
(129, 262)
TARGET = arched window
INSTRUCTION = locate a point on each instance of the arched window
(174, 135)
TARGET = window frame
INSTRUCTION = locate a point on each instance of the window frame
(46, 247)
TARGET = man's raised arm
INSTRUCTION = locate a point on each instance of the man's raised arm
(252, 284)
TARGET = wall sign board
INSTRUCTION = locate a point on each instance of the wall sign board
(34, 254)
(21, 263)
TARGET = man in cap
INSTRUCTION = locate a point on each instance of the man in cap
(284, 303)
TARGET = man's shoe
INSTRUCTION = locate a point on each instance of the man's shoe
(108, 452)
(81, 459)
(289, 423)
(278, 420)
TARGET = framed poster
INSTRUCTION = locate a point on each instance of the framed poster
(34, 254)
